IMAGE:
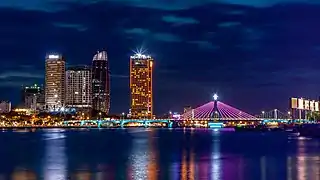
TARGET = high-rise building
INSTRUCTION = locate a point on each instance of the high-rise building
(78, 88)
(100, 83)
(141, 70)
(55, 82)
(33, 97)
(5, 107)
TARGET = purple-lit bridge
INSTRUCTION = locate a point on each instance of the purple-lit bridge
(217, 110)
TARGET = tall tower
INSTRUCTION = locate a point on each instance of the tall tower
(141, 69)
(79, 87)
(55, 81)
(100, 83)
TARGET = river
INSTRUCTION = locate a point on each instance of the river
(152, 154)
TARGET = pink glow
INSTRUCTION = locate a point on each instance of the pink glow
(201, 112)
(228, 112)
(225, 111)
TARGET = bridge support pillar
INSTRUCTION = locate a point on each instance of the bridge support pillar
(192, 114)
(82, 123)
(170, 124)
(146, 123)
(99, 124)
(121, 123)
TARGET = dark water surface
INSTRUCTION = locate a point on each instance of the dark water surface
(142, 154)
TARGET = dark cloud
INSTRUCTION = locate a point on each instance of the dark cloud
(244, 53)
(229, 24)
(179, 20)
(78, 27)
(205, 45)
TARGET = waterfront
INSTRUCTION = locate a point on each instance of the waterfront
(143, 153)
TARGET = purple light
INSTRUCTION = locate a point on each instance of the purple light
(228, 112)
(201, 112)
(225, 112)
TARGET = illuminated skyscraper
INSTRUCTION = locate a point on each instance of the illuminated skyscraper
(100, 83)
(33, 97)
(79, 87)
(141, 69)
(55, 82)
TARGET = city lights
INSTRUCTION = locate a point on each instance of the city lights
(83, 87)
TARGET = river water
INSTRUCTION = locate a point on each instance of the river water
(152, 154)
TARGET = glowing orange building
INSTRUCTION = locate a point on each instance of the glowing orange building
(141, 69)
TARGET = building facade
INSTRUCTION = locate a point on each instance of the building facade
(5, 107)
(33, 97)
(100, 83)
(78, 88)
(141, 70)
(55, 82)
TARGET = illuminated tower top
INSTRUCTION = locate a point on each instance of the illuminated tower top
(54, 56)
(140, 56)
(215, 97)
(101, 55)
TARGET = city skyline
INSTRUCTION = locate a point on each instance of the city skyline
(251, 56)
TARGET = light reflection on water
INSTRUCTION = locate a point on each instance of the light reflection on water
(55, 159)
(216, 157)
(140, 154)
(139, 157)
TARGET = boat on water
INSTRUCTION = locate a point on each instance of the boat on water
(309, 130)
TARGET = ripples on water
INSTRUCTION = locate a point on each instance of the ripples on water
(142, 154)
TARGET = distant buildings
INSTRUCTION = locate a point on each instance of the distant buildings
(141, 70)
(33, 97)
(100, 83)
(5, 107)
(78, 88)
(55, 82)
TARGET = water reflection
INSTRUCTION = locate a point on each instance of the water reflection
(301, 159)
(55, 160)
(216, 157)
(184, 166)
(139, 157)
(143, 154)
(153, 157)
(289, 168)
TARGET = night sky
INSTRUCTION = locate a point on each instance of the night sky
(254, 53)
